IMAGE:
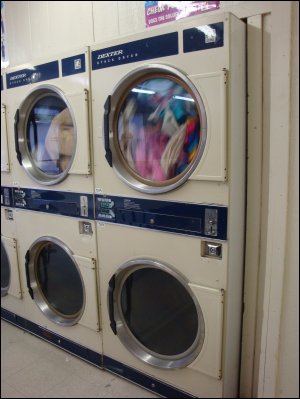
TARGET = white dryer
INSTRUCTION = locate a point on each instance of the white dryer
(169, 151)
(168, 320)
(58, 262)
(48, 118)
(168, 108)
(11, 285)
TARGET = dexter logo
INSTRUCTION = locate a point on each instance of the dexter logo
(23, 75)
(112, 54)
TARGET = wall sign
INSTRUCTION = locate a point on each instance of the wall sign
(160, 12)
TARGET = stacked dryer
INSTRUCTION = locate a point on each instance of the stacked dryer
(11, 287)
(48, 120)
(169, 151)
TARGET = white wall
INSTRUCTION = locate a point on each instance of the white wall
(277, 356)
(288, 354)
(38, 29)
(44, 28)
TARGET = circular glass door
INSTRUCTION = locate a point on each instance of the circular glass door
(159, 129)
(5, 271)
(56, 281)
(157, 316)
(46, 135)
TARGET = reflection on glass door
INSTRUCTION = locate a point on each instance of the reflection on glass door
(157, 320)
(156, 315)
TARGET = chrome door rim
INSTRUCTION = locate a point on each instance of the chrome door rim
(131, 342)
(39, 298)
(119, 165)
(27, 162)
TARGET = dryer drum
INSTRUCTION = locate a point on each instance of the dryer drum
(157, 316)
(55, 280)
(45, 135)
(157, 128)
(5, 271)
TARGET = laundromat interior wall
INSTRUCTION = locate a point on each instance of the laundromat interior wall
(42, 28)
(270, 342)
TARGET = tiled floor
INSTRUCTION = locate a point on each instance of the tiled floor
(33, 368)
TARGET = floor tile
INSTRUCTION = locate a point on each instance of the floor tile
(79, 367)
(39, 378)
(9, 392)
(73, 387)
(16, 358)
(9, 336)
(32, 367)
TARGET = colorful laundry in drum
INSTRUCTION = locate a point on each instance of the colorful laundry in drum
(159, 129)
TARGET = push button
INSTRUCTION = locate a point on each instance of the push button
(85, 228)
(212, 250)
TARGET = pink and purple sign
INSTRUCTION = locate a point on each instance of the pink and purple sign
(160, 12)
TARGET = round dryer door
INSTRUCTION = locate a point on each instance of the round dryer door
(5, 271)
(45, 135)
(54, 281)
(155, 128)
(155, 314)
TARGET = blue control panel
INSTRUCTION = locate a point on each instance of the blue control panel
(7, 196)
(209, 221)
(201, 220)
(56, 202)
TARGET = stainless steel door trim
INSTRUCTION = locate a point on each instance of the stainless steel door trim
(39, 298)
(24, 110)
(131, 342)
(118, 94)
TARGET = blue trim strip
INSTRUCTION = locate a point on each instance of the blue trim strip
(139, 50)
(53, 338)
(204, 37)
(38, 73)
(73, 65)
(143, 380)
